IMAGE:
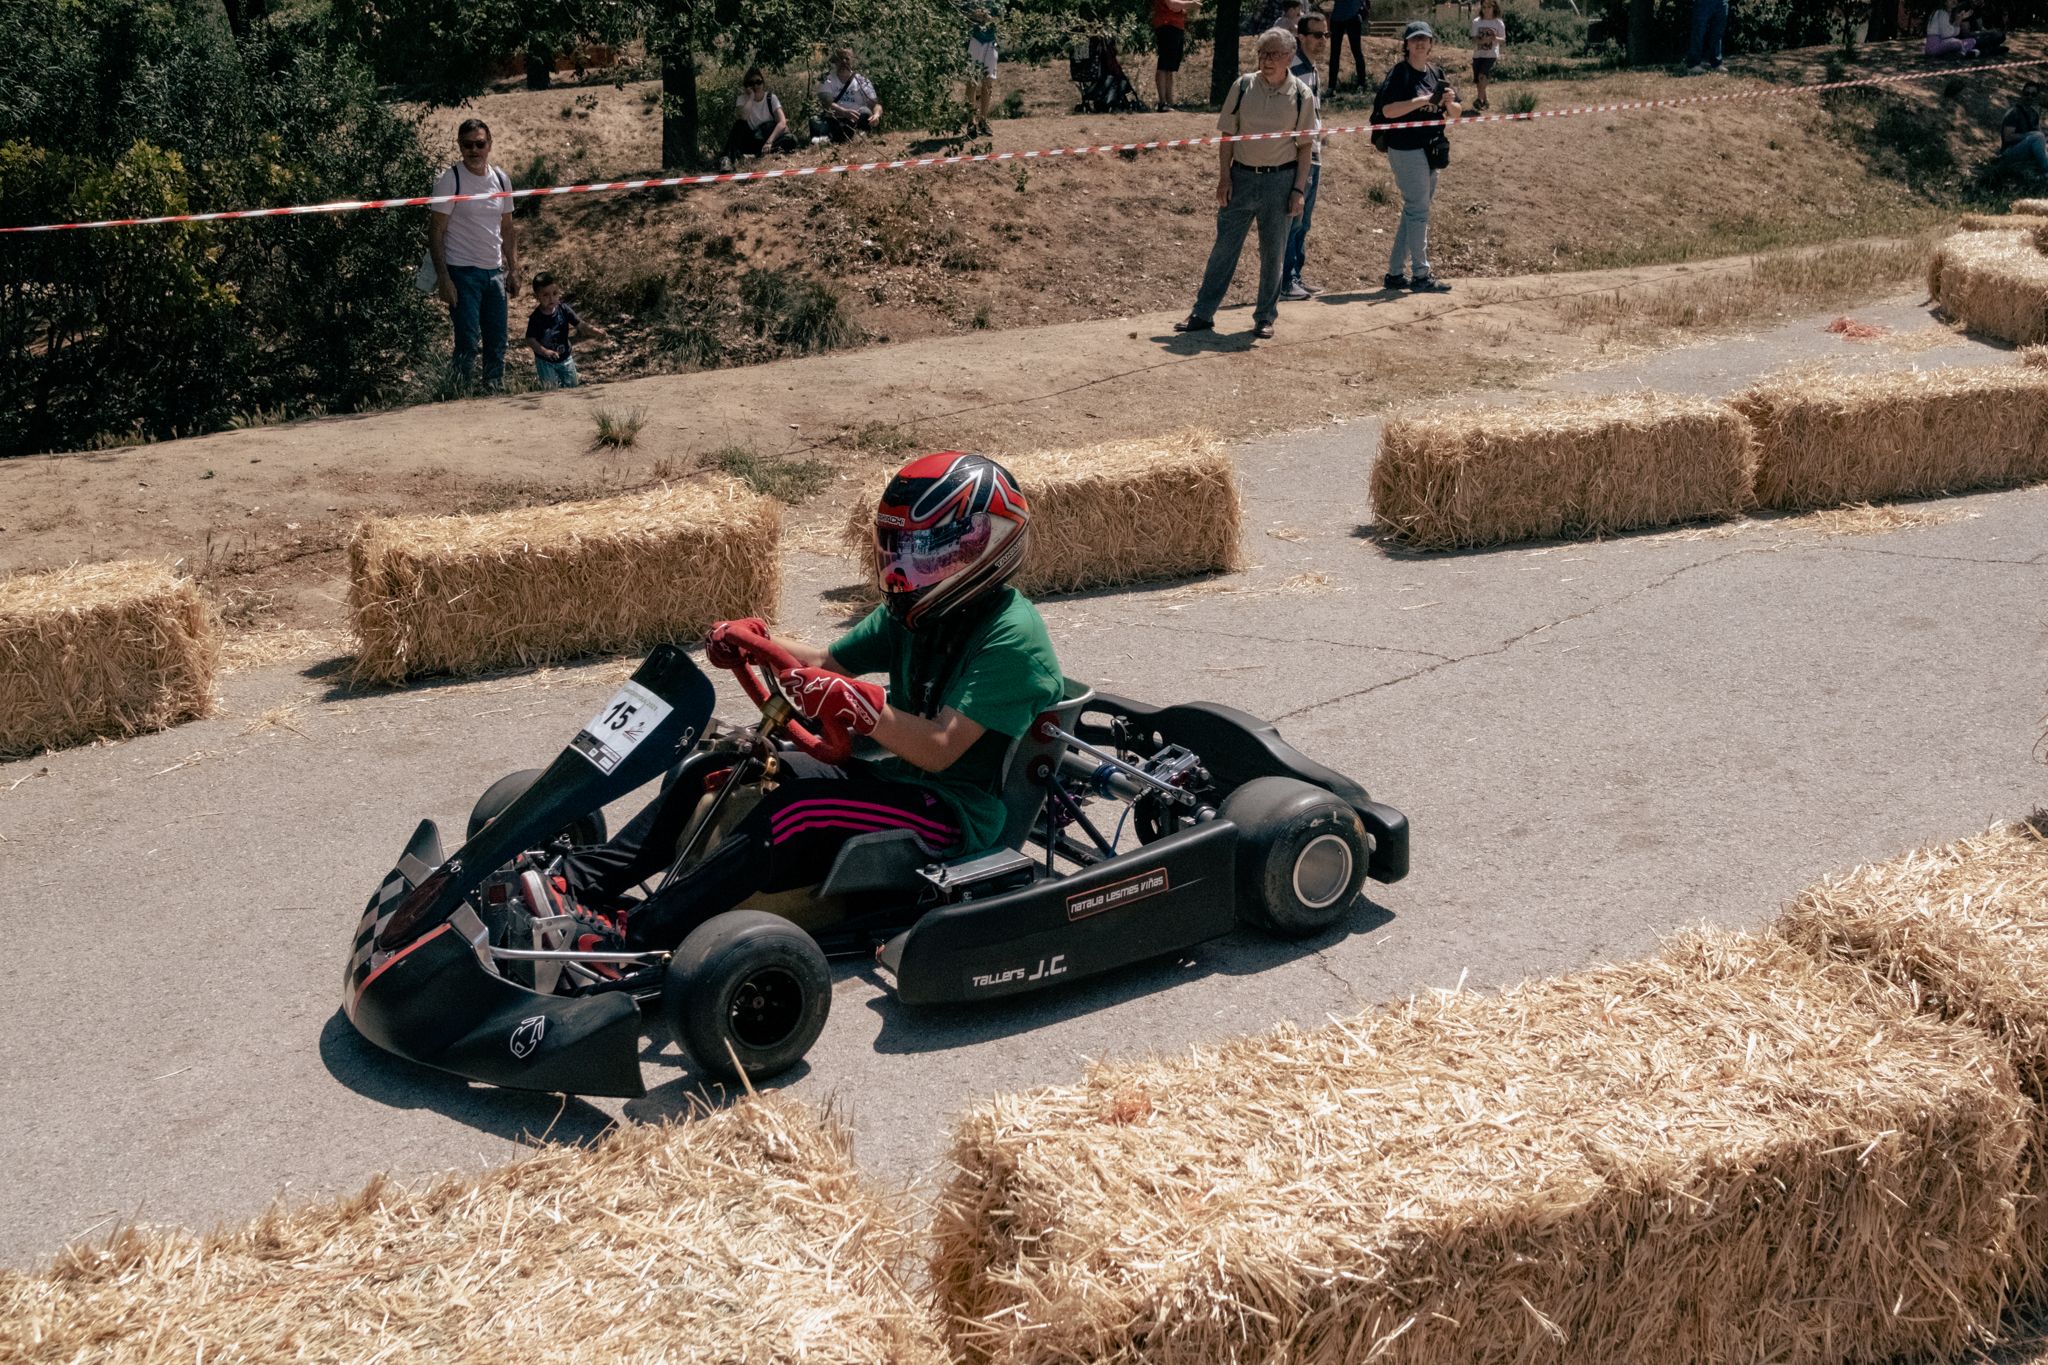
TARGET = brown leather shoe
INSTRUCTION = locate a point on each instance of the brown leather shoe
(1195, 324)
(1264, 331)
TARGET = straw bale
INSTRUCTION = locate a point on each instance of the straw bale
(2005, 222)
(2031, 206)
(1964, 926)
(743, 1237)
(1565, 467)
(459, 594)
(1108, 515)
(1994, 283)
(102, 649)
(1731, 1151)
(1826, 438)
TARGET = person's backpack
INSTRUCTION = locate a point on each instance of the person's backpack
(426, 278)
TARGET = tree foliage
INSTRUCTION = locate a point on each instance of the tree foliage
(120, 108)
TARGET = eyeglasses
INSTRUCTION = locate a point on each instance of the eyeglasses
(469, 145)
(1314, 33)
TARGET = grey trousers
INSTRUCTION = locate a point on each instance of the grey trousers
(1254, 198)
(1416, 179)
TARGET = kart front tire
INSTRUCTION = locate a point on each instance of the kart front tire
(585, 832)
(1301, 857)
(746, 992)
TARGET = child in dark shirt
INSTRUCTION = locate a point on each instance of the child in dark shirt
(548, 331)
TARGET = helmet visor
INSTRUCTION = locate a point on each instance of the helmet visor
(912, 560)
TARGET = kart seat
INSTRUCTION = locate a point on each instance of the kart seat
(892, 859)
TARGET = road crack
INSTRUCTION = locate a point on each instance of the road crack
(2035, 562)
(1509, 643)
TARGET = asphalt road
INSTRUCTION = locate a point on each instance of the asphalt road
(1595, 742)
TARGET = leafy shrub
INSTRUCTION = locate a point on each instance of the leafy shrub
(1754, 26)
(797, 314)
(1560, 29)
(130, 333)
(778, 476)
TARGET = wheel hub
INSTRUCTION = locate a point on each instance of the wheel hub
(1322, 871)
(766, 1007)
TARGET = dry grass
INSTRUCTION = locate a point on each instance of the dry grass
(459, 594)
(1772, 284)
(102, 649)
(1869, 519)
(1109, 515)
(1964, 927)
(1730, 1152)
(2030, 206)
(1825, 439)
(1994, 283)
(1564, 467)
(2004, 222)
(744, 1237)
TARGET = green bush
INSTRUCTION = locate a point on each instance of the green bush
(1559, 29)
(1753, 26)
(136, 333)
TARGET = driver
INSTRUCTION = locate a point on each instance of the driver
(970, 668)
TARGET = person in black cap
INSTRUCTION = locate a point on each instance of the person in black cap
(1414, 92)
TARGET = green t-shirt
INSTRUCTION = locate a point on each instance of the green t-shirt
(1007, 677)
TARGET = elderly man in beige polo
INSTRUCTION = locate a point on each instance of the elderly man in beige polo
(1263, 182)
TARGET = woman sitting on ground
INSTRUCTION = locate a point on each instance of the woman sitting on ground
(761, 126)
(1944, 39)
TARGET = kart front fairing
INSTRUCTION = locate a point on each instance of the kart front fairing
(422, 980)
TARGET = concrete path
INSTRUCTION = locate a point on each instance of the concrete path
(1595, 742)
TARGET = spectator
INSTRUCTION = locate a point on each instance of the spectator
(1969, 22)
(1489, 36)
(1290, 17)
(1709, 23)
(548, 331)
(851, 106)
(1170, 34)
(476, 257)
(1310, 41)
(1414, 91)
(1264, 182)
(981, 66)
(1945, 39)
(2019, 135)
(761, 125)
(1348, 19)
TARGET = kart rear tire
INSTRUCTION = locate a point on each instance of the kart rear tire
(1301, 856)
(750, 988)
(585, 832)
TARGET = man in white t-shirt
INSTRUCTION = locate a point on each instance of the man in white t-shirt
(849, 102)
(476, 260)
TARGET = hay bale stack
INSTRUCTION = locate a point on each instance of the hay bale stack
(2004, 222)
(1994, 283)
(1565, 467)
(1965, 928)
(745, 1236)
(459, 594)
(1825, 438)
(2032, 206)
(102, 649)
(1113, 514)
(1728, 1152)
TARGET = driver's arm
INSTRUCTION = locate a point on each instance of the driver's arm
(933, 745)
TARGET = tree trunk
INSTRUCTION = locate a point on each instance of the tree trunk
(540, 67)
(1884, 21)
(678, 104)
(1642, 20)
(1223, 68)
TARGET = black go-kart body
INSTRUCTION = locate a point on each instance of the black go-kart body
(453, 963)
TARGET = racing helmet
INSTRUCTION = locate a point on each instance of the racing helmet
(950, 528)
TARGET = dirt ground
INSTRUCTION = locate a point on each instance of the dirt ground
(933, 253)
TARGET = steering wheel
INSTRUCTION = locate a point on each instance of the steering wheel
(763, 658)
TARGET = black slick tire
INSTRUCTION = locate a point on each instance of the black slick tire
(585, 832)
(748, 992)
(1301, 855)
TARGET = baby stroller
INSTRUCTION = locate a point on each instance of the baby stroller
(1105, 89)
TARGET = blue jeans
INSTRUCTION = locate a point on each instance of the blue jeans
(555, 374)
(1254, 198)
(1297, 240)
(1709, 22)
(479, 307)
(1416, 179)
(2030, 151)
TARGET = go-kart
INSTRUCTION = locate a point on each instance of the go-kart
(467, 962)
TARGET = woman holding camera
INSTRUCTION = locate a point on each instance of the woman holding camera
(1414, 92)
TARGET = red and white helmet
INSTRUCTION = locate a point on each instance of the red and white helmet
(950, 528)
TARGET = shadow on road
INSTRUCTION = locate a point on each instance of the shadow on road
(516, 1115)
(936, 1028)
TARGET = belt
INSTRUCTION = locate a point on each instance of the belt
(1263, 170)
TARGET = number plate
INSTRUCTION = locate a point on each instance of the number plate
(629, 717)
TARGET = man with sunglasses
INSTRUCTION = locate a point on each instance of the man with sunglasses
(1312, 46)
(475, 254)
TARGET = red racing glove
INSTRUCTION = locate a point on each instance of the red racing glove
(719, 649)
(834, 700)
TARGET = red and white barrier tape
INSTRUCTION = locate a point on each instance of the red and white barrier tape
(924, 162)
